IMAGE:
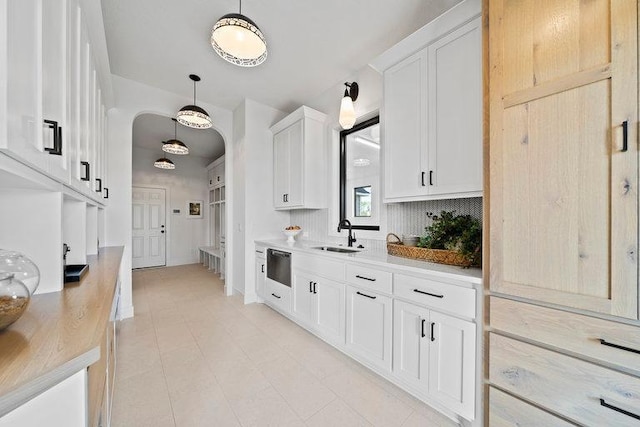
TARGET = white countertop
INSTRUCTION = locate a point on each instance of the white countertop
(380, 258)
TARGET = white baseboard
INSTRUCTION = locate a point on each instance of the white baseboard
(126, 312)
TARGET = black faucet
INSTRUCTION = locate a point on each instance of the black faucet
(346, 223)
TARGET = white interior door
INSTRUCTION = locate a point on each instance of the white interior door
(148, 246)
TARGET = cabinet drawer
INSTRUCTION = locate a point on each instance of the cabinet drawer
(319, 265)
(441, 296)
(597, 339)
(278, 295)
(508, 411)
(571, 387)
(368, 277)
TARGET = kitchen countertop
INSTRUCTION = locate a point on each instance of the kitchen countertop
(59, 334)
(380, 258)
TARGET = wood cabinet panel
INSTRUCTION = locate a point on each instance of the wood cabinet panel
(563, 384)
(508, 411)
(571, 332)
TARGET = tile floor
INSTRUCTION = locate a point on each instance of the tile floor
(194, 357)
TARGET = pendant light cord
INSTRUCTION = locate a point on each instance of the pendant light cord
(240, 7)
(194, 92)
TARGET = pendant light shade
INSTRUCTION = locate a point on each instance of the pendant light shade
(191, 115)
(174, 146)
(347, 112)
(237, 39)
(164, 163)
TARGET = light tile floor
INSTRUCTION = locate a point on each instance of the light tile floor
(194, 357)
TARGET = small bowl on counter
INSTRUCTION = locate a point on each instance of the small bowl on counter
(410, 240)
(291, 233)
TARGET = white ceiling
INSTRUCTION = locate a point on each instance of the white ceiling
(313, 45)
(149, 130)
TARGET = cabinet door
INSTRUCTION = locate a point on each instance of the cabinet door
(369, 327)
(303, 297)
(261, 268)
(23, 109)
(564, 153)
(452, 358)
(455, 111)
(71, 143)
(404, 144)
(280, 168)
(330, 310)
(411, 344)
(295, 195)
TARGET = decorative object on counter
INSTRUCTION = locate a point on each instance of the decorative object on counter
(410, 240)
(291, 231)
(238, 40)
(21, 267)
(175, 146)
(161, 163)
(451, 239)
(191, 115)
(14, 299)
(347, 113)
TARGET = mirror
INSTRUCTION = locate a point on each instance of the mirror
(360, 175)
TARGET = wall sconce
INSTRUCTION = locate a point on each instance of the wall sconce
(347, 112)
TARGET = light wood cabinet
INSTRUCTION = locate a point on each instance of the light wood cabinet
(298, 160)
(508, 411)
(433, 119)
(564, 153)
(369, 327)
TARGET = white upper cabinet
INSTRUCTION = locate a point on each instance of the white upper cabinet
(52, 114)
(432, 110)
(298, 160)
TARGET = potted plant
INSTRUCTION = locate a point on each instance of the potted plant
(458, 233)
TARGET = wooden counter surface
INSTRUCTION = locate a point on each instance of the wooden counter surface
(59, 334)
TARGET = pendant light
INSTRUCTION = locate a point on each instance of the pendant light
(237, 39)
(163, 162)
(174, 146)
(191, 115)
(347, 113)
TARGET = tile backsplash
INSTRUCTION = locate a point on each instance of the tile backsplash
(402, 218)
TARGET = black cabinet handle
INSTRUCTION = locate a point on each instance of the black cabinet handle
(365, 295)
(57, 138)
(87, 171)
(622, 411)
(276, 296)
(430, 177)
(106, 193)
(262, 268)
(422, 179)
(621, 347)
(365, 278)
(428, 293)
(99, 182)
(433, 334)
(625, 135)
(310, 286)
(218, 178)
(315, 291)
(422, 328)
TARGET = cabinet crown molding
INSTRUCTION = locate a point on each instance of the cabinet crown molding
(303, 112)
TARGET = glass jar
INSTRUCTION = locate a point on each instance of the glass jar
(22, 268)
(14, 299)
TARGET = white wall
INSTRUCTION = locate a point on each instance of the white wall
(188, 181)
(131, 99)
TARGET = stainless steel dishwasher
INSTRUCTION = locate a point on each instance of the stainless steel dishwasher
(279, 266)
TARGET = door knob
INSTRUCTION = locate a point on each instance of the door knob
(162, 231)
(162, 226)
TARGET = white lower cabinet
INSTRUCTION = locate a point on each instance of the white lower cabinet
(435, 354)
(320, 303)
(261, 274)
(369, 326)
(278, 296)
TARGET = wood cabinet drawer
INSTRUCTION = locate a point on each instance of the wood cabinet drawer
(441, 296)
(507, 411)
(596, 339)
(580, 391)
(367, 277)
(324, 267)
(278, 295)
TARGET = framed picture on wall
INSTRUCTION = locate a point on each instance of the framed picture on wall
(194, 209)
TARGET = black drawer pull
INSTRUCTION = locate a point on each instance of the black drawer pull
(262, 268)
(422, 328)
(365, 295)
(625, 135)
(315, 291)
(276, 296)
(365, 278)
(621, 347)
(428, 293)
(433, 334)
(310, 287)
(622, 411)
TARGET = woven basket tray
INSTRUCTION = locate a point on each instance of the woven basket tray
(440, 256)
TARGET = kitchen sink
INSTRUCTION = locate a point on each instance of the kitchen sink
(336, 249)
